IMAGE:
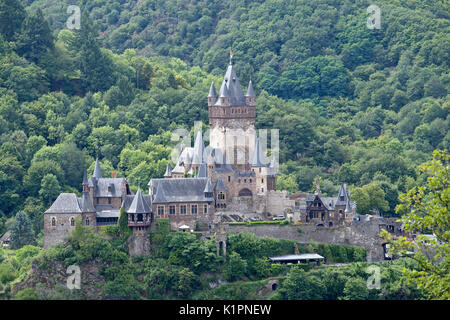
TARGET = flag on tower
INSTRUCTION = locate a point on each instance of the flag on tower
(231, 54)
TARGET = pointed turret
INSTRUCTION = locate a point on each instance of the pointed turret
(159, 195)
(168, 173)
(139, 205)
(250, 97)
(208, 187)
(202, 171)
(342, 196)
(212, 96)
(230, 92)
(256, 161)
(85, 183)
(199, 150)
(348, 206)
(86, 205)
(97, 170)
(220, 185)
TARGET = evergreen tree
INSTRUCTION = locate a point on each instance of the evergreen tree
(12, 15)
(21, 231)
(96, 68)
(35, 37)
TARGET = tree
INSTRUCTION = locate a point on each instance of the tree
(123, 223)
(355, 289)
(21, 231)
(370, 198)
(300, 285)
(50, 188)
(35, 37)
(235, 267)
(12, 15)
(425, 211)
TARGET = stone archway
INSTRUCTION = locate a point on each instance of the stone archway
(245, 193)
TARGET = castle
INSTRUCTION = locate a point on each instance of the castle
(231, 175)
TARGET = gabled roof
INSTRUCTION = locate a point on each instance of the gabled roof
(65, 203)
(159, 195)
(220, 185)
(179, 190)
(103, 185)
(139, 204)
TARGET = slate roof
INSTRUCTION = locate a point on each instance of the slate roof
(256, 161)
(168, 172)
(198, 156)
(6, 236)
(208, 187)
(220, 185)
(97, 170)
(101, 186)
(231, 88)
(212, 90)
(250, 91)
(85, 203)
(202, 171)
(179, 190)
(304, 256)
(342, 193)
(139, 204)
(65, 203)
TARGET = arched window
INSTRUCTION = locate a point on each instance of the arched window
(140, 217)
(53, 222)
(72, 221)
(221, 196)
(87, 221)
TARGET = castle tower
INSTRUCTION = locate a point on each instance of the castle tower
(139, 220)
(232, 119)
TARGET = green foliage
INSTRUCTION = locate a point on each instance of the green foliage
(21, 231)
(300, 285)
(235, 267)
(425, 210)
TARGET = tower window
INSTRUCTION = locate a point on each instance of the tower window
(72, 221)
(262, 180)
(205, 209)
(262, 189)
(87, 221)
(53, 222)
(229, 178)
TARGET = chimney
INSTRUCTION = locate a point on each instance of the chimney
(113, 174)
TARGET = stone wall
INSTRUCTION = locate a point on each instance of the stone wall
(363, 234)
(59, 233)
(277, 202)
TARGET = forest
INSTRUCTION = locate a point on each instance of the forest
(353, 105)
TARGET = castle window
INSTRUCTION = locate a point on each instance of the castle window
(262, 180)
(205, 209)
(245, 180)
(53, 222)
(229, 178)
(160, 210)
(183, 209)
(320, 205)
(262, 189)
(193, 208)
(171, 209)
(232, 110)
(140, 217)
(239, 110)
(109, 200)
(259, 170)
(72, 221)
(221, 196)
(250, 180)
(87, 221)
